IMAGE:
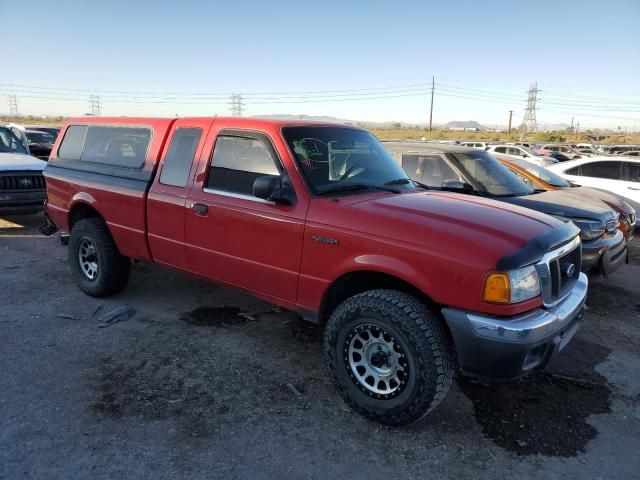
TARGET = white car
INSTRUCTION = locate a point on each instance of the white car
(480, 145)
(516, 151)
(619, 175)
(22, 185)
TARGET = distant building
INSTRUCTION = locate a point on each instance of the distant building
(464, 129)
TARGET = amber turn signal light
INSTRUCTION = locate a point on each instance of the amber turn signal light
(497, 288)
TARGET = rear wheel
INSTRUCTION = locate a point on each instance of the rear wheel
(96, 264)
(389, 356)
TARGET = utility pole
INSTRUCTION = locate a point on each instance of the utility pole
(577, 128)
(529, 124)
(236, 105)
(433, 87)
(510, 118)
(94, 104)
(572, 124)
(13, 106)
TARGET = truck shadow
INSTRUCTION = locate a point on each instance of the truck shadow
(545, 413)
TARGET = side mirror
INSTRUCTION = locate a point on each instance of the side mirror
(274, 189)
(524, 155)
(456, 186)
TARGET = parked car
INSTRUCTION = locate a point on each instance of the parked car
(480, 145)
(53, 131)
(22, 187)
(40, 143)
(632, 153)
(540, 178)
(621, 149)
(567, 151)
(474, 172)
(619, 175)
(515, 151)
(320, 219)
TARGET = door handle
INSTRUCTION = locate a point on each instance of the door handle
(199, 208)
(633, 188)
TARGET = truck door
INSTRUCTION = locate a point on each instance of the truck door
(233, 236)
(168, 195)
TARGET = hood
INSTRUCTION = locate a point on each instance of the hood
(434, 222)
(566, 202)
(20, 161)
(614, 201)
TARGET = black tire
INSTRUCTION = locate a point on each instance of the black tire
(424, 365)
(112, 269)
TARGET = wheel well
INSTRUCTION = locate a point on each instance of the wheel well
(80, 212)
(354, 283)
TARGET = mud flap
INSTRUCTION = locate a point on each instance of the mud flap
(48, 228)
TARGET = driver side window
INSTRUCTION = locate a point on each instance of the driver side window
(236, 163)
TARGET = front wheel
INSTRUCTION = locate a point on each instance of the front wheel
(96, 264)
(389, 356)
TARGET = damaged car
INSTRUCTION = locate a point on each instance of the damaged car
(474, 172)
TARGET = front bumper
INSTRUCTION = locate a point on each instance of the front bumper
(509, 347)
(16, 202)
(603, 256)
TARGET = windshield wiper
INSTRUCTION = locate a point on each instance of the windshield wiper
(357, 186)
(405, 181)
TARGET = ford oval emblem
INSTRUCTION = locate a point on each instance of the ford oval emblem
(25, 182)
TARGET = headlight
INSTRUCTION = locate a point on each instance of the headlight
(589, 228)
(512, 286)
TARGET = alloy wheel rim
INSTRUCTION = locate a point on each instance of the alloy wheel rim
(88, 258)
(376, 361)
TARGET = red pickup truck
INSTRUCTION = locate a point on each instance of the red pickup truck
(318, 218)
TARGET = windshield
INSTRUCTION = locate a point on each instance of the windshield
(40, 137)
(490, 175)
(543, 174)
(9, 143)
(336, 158)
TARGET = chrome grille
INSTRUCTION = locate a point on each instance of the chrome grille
(559, 271)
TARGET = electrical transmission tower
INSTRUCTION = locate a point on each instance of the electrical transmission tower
(529, 124)
(13, 106)
(94, 103)
(236, 105)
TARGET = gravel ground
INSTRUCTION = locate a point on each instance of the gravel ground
(206, 382)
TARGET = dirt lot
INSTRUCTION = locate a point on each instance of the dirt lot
(188, 388)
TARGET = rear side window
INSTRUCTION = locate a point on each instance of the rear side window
(113, 146)
(500, 150)
(514, 151)
(177, 163)
(73, 142)
(609, 170)
(237, 162)
(634, 172)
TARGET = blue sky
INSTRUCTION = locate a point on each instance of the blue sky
(585, 56)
